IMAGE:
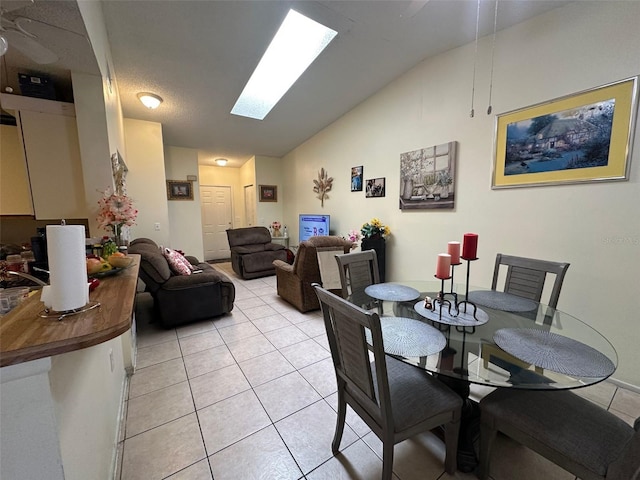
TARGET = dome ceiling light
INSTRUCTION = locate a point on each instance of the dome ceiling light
(150, 100)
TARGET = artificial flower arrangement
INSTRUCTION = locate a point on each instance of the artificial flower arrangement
(353, 236)
(115, 212)
(375, 229)
(276, 228)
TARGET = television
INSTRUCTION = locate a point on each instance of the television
(310, 225)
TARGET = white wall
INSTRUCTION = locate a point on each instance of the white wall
(87, 397)
(146, 184)
(593, 226)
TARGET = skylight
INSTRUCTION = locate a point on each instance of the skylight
(294, 47)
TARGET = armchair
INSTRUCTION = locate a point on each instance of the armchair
(253, 253)
(181, 299)
(294, 281)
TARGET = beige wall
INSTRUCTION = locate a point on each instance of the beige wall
(185, 221)
(593, 226)
(146, 182)
(269, 172)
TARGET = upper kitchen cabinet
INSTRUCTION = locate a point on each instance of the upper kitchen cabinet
(49, 136)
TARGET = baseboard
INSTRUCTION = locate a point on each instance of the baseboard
(221, 260)
(625, 385)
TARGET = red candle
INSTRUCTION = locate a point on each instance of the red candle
(470, 246)
(443, 266)
(453, 249)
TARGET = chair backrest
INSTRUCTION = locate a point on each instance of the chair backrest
(305, 264)
(526, 277)
(365, 384)
(329, 272)
(358, 270)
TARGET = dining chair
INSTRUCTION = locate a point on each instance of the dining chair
(358, 270)
(396, 400)
(526, 277)
(329, 271)
(569, 430)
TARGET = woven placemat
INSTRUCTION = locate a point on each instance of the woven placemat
(462, 319)
(554, 352)
(502, 301)
(410, 338)
(392, 292)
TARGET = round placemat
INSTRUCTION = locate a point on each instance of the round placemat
(463, 319)
(553, 352)
(392, 292)
(410, 338)
(502, 301)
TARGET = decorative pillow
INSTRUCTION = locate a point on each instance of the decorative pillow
(178, 264)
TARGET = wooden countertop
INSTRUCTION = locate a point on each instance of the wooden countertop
(25, 336)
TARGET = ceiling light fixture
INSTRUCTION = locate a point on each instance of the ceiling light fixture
(150, 100)
(221, 162)
(297, 43)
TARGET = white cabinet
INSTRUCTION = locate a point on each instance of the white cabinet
(50, 139)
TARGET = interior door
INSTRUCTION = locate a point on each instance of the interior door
(250, 205)
(216, 210)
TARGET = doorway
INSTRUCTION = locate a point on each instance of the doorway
(215, 203)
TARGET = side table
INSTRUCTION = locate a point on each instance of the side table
(281, 240)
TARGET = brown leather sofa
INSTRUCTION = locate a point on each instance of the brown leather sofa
(181, 299)
(294, 281)
(253, 252)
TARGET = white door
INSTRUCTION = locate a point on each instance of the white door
(250, 205)
(215, 205)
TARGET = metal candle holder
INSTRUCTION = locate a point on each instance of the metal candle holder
(466, 302)
(451, 292)
(440, 300)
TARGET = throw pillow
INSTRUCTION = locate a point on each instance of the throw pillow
(178, 264)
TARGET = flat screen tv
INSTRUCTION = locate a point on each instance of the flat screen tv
(310, 225)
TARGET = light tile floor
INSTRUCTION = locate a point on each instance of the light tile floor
(252, 395)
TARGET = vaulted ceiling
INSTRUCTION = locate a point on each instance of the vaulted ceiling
(198, 55)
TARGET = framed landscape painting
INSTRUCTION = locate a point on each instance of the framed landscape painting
(584, 137)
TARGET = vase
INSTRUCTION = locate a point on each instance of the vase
(120, 238)
(378, 244)
(276, 232)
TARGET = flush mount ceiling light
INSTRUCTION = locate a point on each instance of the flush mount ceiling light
(295, 46)
(150, 100)
(221, 162)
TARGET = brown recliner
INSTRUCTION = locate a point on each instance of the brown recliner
(294, 281)
(253, 252)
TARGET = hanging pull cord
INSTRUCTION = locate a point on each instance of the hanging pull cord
(475, 59)
(493, 53)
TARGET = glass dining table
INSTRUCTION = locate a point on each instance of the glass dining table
(488, 338)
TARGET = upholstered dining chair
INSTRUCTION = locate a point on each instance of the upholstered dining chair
(572, 432)
(526, 277)
(358, 270)
(396, 400)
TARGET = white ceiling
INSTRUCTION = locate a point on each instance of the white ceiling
(198, 55)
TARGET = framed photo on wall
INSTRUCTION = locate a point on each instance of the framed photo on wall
(356, 179)
(375, 187)
(179, 190)
(584, 137)
(268, 193)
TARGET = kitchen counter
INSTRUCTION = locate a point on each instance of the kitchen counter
(25, 336)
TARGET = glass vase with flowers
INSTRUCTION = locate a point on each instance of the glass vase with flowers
(116, 214)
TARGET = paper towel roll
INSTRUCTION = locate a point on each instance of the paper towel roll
(67, 267)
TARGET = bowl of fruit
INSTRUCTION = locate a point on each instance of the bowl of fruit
(99, 267)
(119, 260)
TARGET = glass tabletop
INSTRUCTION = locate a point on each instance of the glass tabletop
(541, 348)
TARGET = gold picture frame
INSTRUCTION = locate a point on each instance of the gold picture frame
(179, 190)
(584, 137)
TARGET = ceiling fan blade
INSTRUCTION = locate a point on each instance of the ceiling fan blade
(29, 47)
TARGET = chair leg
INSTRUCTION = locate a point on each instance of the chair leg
(342, 412)
(451, 434)
(487, 437)
(387, 456)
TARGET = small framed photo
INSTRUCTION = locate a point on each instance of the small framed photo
(356, 179)
(179, 190)
(268, 193)
(375, 187)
